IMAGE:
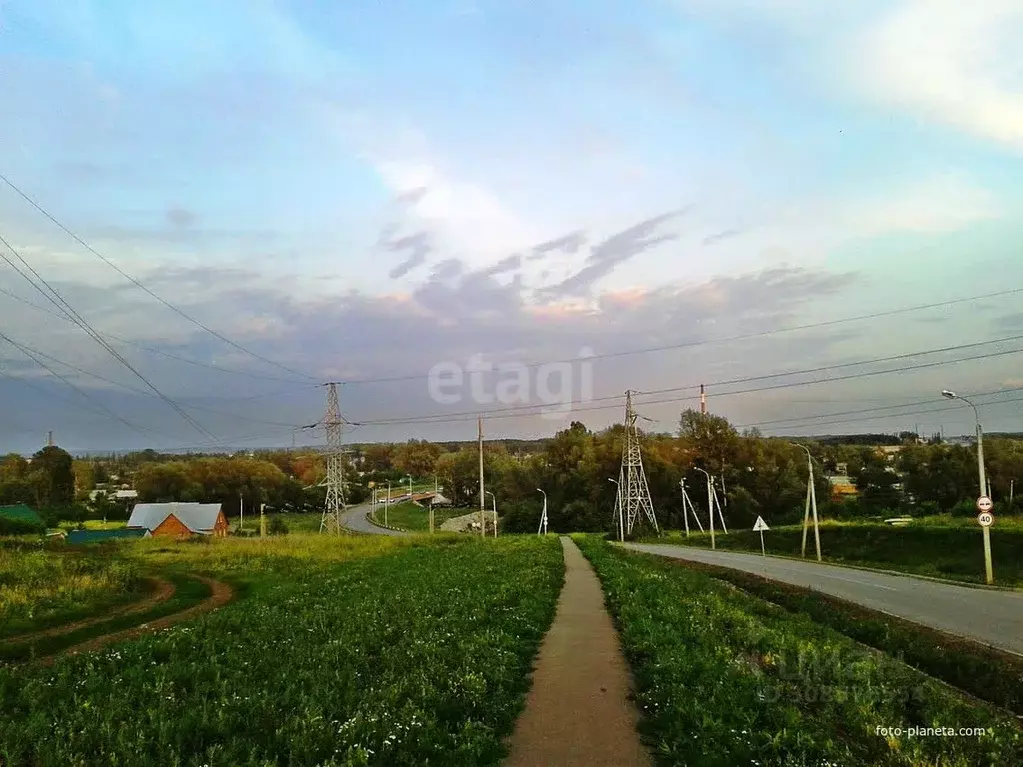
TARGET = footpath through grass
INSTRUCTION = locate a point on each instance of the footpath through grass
(44, 584)
(415, 519)
(345, 651)
(950, 551)
(726, 679)
(187, 593)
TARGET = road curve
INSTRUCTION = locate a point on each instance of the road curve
(989, 616)
(355, 519)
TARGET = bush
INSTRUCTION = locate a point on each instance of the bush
(20, 527)
(277, 526)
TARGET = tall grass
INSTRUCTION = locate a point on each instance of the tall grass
(43, 583)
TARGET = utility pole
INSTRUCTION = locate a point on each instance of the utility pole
(334, 505)
(703, 400)
(811, 503)
(387, 505)
(542, 530)
(1012, 486)
(241, 511)
(710, 505)
(617, 515)
(483, 501)
(688, 506)
(262, 520)
(984, 487)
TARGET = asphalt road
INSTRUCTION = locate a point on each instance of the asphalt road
(992, 617)
(355, 519)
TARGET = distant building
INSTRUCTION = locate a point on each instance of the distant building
(179, 520)
(842, 487)
(964, 441)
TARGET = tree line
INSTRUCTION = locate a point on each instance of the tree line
(761, 476)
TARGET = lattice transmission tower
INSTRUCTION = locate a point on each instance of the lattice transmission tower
(334, 506)
(633, 492)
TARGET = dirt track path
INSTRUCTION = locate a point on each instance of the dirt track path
(578, 711)
(220, 596)
(161, 592)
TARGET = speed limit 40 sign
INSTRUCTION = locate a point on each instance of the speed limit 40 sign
(986, 519)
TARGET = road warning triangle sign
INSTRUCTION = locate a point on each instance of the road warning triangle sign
(760, 524)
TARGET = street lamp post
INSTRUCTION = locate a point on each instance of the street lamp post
(811, 503)
(493, 499)
(618, 504)
(981, 475)
(543, 515)
(710, 505)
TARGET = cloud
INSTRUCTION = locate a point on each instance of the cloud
(569, 243)
(417, 245)
(947, 61)
(616, 250)
(180, 218)
(722, 235)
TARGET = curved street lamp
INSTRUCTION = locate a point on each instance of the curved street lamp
(618, 504)
(982, 476)
(543, 516)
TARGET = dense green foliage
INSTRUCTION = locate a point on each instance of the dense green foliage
(985, 672)
(419, 656)
(725, 679)
(940, 551)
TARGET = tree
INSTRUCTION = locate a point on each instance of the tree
(416, 457)
(378, 457)
(53, 477)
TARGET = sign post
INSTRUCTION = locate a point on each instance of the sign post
(986, 519)
(759, 526)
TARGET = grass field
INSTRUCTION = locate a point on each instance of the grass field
(725, 678)
(939, 547)
(42, 584)
(982, 671)
(414, 518)
(344, 650)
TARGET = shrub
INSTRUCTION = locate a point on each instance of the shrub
(277, 526)
(20, 527)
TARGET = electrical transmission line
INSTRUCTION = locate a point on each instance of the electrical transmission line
(95, 403)
(532, 410)
(161, 352)
(57, 300)
(727, 339)
(142, 287)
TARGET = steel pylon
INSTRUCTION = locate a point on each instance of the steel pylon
(633, 492)
(334, 506)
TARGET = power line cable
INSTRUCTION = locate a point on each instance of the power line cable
(27, 352)
(144, 393)
(723, 339)
(746, 379)
(161, 352)
(65, 307)
(141, 286)
(787, 421)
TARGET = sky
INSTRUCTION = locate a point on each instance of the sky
(247, 200)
